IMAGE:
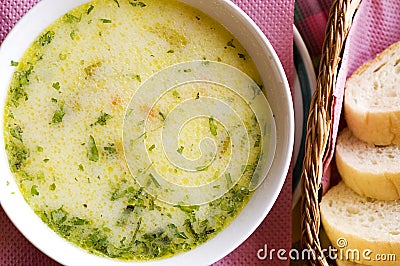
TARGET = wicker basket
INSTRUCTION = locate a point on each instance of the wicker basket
(319, 125)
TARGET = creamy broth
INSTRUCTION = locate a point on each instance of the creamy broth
(64, 120)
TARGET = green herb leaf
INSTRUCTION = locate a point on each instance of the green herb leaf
(69, 18)
(80, 167)
(258, 141)
(58, 216)
(162, 116)
(14, 63)
(34, 191)
(105, 20)
(137, 3)
(230, 43)
(92, 153)
(56, 85)
(72, 35)
(59, 113)
(52, 187)
(46, 38)
(16, 132)
(152, 147)
(78, 221)
(213, 126)
(228, 180)
(110, 149)
(137, 77)
(175, 94)
(102, 120)
(154, 180)
(180, 150)
(89, 9)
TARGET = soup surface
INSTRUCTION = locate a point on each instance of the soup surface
(64, 123)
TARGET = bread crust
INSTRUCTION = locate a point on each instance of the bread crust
(381, 184)
(353, 242)
(368, 124)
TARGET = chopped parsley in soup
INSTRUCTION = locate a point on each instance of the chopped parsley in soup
(64, 119)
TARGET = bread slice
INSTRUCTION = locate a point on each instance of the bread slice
(372, 171)
(361, 225)
(372, 99)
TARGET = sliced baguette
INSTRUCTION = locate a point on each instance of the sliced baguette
(372, 171)
(372, 99)
(356, 223)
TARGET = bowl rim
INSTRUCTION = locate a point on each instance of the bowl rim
(11, 199)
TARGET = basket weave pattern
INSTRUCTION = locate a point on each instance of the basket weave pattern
(319, 124)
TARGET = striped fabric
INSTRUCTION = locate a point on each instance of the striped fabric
(310, 17)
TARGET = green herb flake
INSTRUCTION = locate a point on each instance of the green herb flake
(137, 77)
(170, 51)
(90, 70)
(136, 3)
(46, 160)
(152, 147)
(89, 9)
(175, 93)
(110, 149)
(228, 180)
(105, 20)
(59, 113)
(52, 187)
(69, 18)
(46, 38)
(78, 221)
(34, 191)
(58, 216)
(258, 141)
(18, 153)
(162, 116)
(154, 180)
(248, 167)
(14, 63)
(213, 126)
(92, 153)
(62, 56)
(181, 235)
(230, 44)
(80, 167)
(187, 70)
(56, 85)
(16, 132)
(180, 150)
(102, 119)
(72, 34)
(39, 148)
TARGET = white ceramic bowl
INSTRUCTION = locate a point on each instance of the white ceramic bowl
(279, 97)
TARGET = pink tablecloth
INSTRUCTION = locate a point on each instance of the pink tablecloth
(275, 18)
